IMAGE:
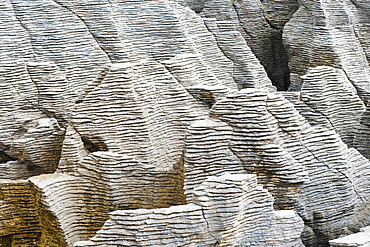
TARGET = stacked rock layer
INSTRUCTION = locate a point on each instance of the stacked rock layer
(163, 123)
(228, 210)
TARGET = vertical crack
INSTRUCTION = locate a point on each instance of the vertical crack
(26, 30)
(219, 47)
(37, 86)
(240, 22)
(87, 28)
(209, 228)
(320, 160)
(271, 24)
(269, 50)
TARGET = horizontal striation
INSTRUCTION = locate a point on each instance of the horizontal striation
(329, 33)
(247, 70)
(208, 153)
(134, 108)
(19, 221)
(257, 121)
(241, 212)
(175, 226)
(329, 92)
(120, 178)
(54, 93)
(228, 210)
(362, 137)
(305, 167)
(75, 207)
(310, 114)
(15, 41)
(140, 113)
(70, 209)
(58, 35)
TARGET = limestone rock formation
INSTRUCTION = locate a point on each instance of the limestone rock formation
(333, 37)
(361, 239)
(361, 139)
(228, 210)
(184, 122)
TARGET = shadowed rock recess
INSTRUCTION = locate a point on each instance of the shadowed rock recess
(184, 123)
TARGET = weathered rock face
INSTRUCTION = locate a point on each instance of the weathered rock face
(361, 239)
(238, 213)
(333, 36)
(158, 123)
(260, 24)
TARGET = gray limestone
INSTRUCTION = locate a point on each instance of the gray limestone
(227, 210)
(163, 123)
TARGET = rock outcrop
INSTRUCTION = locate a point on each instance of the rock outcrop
(166, 123)
(228, 210)
(361, 239)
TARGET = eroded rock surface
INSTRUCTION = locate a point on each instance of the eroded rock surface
(228, 210)
(159, 123)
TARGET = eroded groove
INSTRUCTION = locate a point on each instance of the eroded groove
(25, 28)
(87, 28)
(270, 51)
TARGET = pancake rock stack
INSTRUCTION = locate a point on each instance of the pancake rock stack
(228, 210)
(184, 123)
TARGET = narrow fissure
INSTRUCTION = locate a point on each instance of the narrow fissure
(93, 146)
(277, 68)
(4, 157)
(270, 50)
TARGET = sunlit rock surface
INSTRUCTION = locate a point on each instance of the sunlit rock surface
(166, 123)
(361, 239)
(238, 213)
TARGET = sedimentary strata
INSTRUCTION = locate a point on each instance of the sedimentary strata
(166, 123)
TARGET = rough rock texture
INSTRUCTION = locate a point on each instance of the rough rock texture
(229, 210)
(328, 92)
(20, 222)
(259, 24)
(360, 239)
(265, 135)
(361, 139)
(332, 36)
(159, 123)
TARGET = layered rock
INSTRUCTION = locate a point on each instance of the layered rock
(330, 38)
(19, 219)
(257, 23)
(292, 159)
(30, 141)
(119, 120)
(247, 219)
(361, 239)
(328, 92)
(361, 139)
